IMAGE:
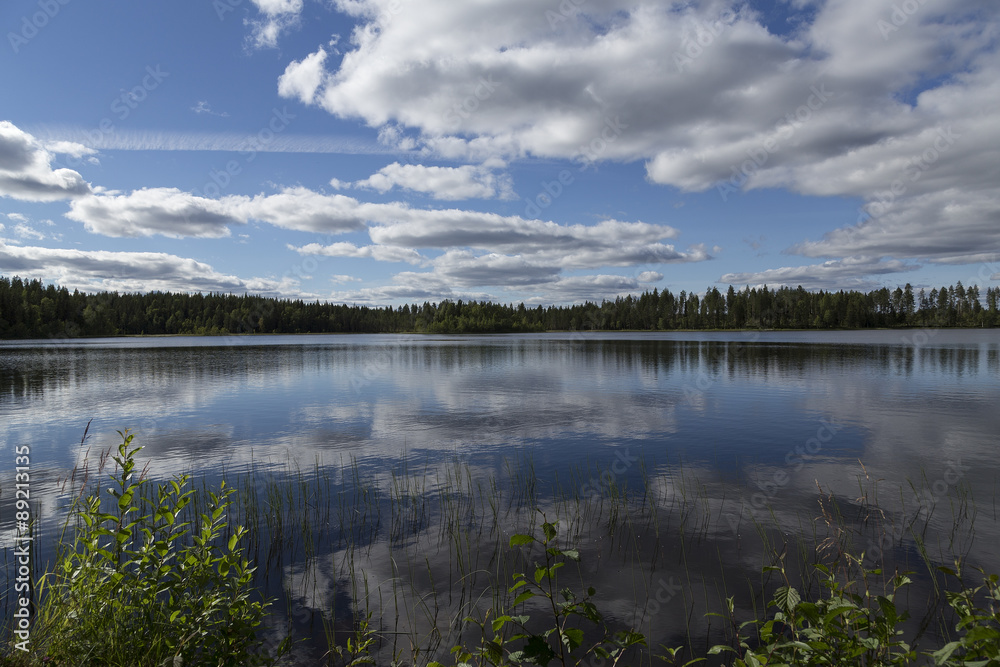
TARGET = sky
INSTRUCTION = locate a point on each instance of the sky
(545, 151)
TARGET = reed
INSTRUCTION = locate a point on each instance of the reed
(399, 559)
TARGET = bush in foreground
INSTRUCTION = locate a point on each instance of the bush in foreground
(140, 586)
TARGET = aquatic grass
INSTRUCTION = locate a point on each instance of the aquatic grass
(405, 555)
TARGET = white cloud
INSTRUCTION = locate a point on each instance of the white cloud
(125, 139)
(149, 211)
(303, 78)
(493, 232)
(305, 210)
(840, 105)
(71, 148)
(650, 277)
(278, 16)
(397, 230)
(850, 272)
(380, 253)
(26, 231)
(26, 172)
(98, 270)
(464, 182)
(174, 213)
(463, 268)
(204, 107)
(951, 226)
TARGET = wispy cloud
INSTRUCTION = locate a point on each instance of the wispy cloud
(205, 107)
(171, 140)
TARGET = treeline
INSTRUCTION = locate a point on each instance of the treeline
(29, 309)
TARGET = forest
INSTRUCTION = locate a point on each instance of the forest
(31, 309)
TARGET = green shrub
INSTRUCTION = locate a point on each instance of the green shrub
(845, 627)
(139, 585)
(978, 624)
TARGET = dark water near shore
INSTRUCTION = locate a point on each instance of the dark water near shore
(758, 419)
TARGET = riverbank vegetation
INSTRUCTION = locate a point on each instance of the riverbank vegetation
(339, 565)
(30, 309)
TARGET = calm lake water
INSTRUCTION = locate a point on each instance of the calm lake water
(757, 419)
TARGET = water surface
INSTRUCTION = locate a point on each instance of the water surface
(759, 419)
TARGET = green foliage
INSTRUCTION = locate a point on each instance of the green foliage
(139, 585)
(512, 639)
(845, 627)
(978, 613)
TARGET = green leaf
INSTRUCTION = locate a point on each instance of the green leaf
(526, 595)
(518, 540)
(572, 554)
(538, 651)
(573, 638)
(787, 598)
(550, 531)
(500, 621)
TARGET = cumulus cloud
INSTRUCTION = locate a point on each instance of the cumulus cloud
(849, 101)
(464, 182)
(174, 213)
(493, 232)
(478, 249)
(149, 211)
(26, 168)
(463, 268)
(305, 210)
(303, 78)
(98, 270)
(951, 226)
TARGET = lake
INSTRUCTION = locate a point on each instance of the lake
(723, 432)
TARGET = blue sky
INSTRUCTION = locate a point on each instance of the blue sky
(393, 151)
